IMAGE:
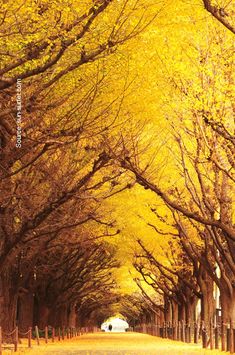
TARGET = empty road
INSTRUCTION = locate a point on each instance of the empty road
(117, 343)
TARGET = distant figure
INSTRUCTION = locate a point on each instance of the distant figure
(110, 327)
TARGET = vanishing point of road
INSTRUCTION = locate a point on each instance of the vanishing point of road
(119, 344)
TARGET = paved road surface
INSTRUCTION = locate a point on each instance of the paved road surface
(119, 344)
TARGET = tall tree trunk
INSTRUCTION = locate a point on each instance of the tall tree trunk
(190, 309)
(207, 301)
(25, 311)
(61, 316)
(227, 291)
(175, 311)
(227, 305)
(8, 302)
(43, 315)
(167, 309)
(182, 312)
(72, 316)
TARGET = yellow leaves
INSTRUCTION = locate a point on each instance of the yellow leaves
(17, 220)
(153, 88)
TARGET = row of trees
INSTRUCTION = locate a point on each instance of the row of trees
(198, 257)
(71, 78)
(55, 265)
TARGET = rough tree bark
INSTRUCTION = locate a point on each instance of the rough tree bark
(25, 311)
(8, 301)
(72, 316)
(227, 298)
(207, 300)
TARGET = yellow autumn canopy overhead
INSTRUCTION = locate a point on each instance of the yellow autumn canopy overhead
(127, 153)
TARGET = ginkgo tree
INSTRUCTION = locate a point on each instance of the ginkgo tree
(200, 117)
(113, 93)
(58, 52)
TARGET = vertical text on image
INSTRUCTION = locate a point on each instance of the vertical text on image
(18, 113)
